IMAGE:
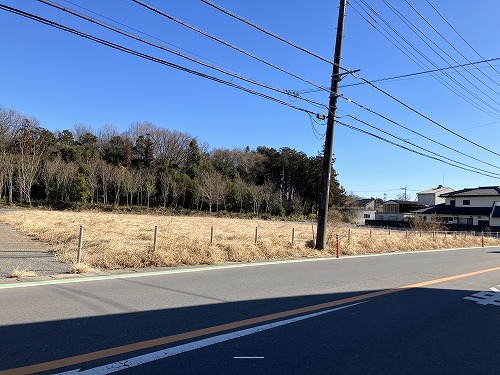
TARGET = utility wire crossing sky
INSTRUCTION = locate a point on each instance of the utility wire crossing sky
(410, 70)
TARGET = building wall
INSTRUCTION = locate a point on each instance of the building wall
(431, 199)
(474, 201)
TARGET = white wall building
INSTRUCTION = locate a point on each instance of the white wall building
(431, 197)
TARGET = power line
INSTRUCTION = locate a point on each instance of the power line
(415, 132)
(270, 33)
(409, 75)
(409, 149)
(387, 35)
(421, 148)
(366, 81)
(452, 46)
(199, 31)
(147, 57)
(426, 117)
(424, 56)
(461, 37)
(175, 66)
(119, 31)
(417, 31)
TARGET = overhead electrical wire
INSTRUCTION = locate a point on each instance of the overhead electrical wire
(497, 175)
(218, 80)
(454, 48)
(483, 106)
(119, 31)
(428, 118)
(147, 57)
(460, 36)
(411, 150)
(199, 31)
(408, 75)
(359, 77)
(270, 33)
(423, 37)
(415, 132)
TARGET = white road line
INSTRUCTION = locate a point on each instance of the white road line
(165, 353)
(218, 267)
(248, 357)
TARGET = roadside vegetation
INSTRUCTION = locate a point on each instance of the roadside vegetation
(124, 240)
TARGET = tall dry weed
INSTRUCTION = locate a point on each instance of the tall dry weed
(117, 240)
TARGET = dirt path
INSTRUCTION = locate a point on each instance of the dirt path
(24, 253)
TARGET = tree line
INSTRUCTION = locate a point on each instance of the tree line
(153, 167)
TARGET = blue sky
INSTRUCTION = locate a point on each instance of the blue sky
(65, 80)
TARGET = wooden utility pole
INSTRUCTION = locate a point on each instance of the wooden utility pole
(327, 158)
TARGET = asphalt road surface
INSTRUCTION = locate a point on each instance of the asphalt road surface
(415, 313)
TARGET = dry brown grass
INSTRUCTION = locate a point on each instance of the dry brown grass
(114, 241)
(21, 273)
(81, 268)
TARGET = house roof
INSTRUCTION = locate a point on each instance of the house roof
(482, 191)
(443, 209)
(435, 190)
(364, 202)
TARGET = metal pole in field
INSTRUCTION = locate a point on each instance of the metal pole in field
(330, 126)
(212, 235)
(256, 234)
(80, 243)
(482, 239)
(293, 235)
(338, 246)
(154, 238)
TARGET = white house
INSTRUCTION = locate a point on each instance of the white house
(472, 208)
(431, 197)
(364, 209)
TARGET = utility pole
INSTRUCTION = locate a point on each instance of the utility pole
(330, 124)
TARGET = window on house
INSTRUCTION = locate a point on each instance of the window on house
(452, 202)
(466, 202)
(367, 216)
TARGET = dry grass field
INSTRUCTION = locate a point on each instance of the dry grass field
(117, 240)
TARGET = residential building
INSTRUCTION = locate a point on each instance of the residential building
(431, 197)
(364, 209)
(466, 209)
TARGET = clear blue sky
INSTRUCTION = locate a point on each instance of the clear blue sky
(64, 80)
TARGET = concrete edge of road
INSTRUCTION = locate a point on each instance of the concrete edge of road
(124, 274)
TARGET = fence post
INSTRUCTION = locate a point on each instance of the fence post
(420, 233)
(256, 234)
(349, 234)
(338, 246)
(212, 235)
(293, 235)
(482, 239)
(154, 239)
(80, 243)
(370, 232)
(389, 231)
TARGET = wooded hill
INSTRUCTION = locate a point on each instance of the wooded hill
(154, 167)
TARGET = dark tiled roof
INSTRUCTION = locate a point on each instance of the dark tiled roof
(363, 202)
(474, 192)
(443, 209)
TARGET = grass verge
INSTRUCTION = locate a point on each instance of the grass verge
(116, 241)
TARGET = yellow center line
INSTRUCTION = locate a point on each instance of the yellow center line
(100, 354)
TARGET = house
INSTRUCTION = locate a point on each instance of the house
(431, 197)
(466, 209)
(395, 213)
(363, 209)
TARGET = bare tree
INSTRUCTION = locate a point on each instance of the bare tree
(30, 145)
(213, 187)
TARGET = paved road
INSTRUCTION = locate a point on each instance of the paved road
(324, 316)
(24, 253)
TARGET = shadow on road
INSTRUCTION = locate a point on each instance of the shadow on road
(421, 330)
